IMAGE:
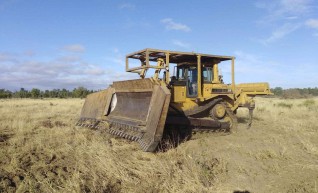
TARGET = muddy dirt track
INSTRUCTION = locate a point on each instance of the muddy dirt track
(42, 151)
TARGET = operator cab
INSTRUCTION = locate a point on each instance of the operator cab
(195, 76)
(187, 75)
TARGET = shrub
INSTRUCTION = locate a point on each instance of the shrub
(292, 94)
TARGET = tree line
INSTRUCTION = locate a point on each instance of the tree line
(82, 92)
(295, 92)
(79, 92)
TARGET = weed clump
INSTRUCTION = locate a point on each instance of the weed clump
(261, 109)
(309, 103)
(284, 105)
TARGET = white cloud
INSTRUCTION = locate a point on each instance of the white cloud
(127, 6)
(117, 58)
(94, 70)
(284, 9)
(181, 44)
(312, 23)
(291, 17)
(116, 50)
(249, 68)
(4, 56)
(252, 68)
(63, 72)
(67, 71)
(69, 59)
(281, 32)
(171, 25)
(74, 48)
(29, 53)
(283, 17)
(295, 6)
(255, 68)
(7, 57)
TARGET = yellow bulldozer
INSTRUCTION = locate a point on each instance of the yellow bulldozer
(194, 96)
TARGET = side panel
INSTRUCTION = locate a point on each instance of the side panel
(179, 94)
(97, 104)
(156, 119)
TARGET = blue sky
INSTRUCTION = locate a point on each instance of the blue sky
(66, 44)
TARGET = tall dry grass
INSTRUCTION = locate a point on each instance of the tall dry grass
(42, 151)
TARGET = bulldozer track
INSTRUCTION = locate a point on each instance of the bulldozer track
(202, 108)
(132, 133)
(232, 127)
(125, 131)
(136, 133)
(195, 131)
(88, 122)
(229, 112)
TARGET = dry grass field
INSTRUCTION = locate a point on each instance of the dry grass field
(42, 151)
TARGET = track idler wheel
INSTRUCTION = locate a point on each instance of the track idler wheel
(218, 111)
(223, 113)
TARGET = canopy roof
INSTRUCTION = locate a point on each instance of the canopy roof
(176, 57)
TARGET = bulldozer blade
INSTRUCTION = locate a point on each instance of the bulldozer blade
(134, 109)
(140, 112)
(96, 106)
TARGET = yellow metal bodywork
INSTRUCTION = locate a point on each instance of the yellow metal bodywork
(245, 92)
(138, 109)
(242, 97)
(141, 107)
(179, 94)
(235, 95)
(216, 74)
(254, 88)
(199, 77)
(97, 104)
